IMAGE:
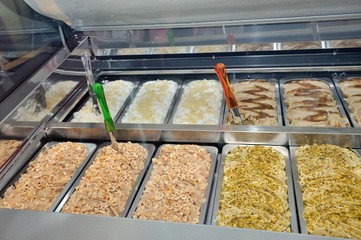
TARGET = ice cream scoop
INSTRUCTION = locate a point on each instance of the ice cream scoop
(108, 121)
(90, 81)
(230, 98)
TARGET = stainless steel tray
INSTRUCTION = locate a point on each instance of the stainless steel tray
(298, 191)
(291, 198)
(202, 217)
(149, 147)
(152, 135)
(120, 109)
(343, 99)
(91, 148)
(39, 92)
(332, 89)
(179, 136)
(278, 100)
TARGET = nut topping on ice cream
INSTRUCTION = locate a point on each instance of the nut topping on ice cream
(7, 148)
(175, 190)
(330, 179)
(107, 183)
(45, 177)
(254, 190)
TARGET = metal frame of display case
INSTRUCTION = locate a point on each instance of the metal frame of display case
(22, 224)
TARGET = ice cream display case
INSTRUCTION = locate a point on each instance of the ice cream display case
(183, 167)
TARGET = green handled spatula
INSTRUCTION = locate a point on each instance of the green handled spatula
(108, 121)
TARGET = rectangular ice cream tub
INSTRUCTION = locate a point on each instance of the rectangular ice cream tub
(343, 98)
(213, 151)
(291, 200)
(283, 82)
(91, 148)
(277, 99)
(150, 150)
(298, 191)
(211, 48)
(171, 50)
(46, 99)
(133, 51)
(116, 101)
(188, 136)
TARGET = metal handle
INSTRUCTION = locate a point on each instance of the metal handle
(90, 81)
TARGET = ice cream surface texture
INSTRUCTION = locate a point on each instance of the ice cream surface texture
(116, 93)
(211, 48)
(45, 177)
(254, 190)
(257, 103)
(108, 182)
(311, 103)
(7, 147)
(351, 88)
(53, 96)
(200, 103)
(330, 180)
(175, 190)
(170, 50)
(151, 103)
(254, 47)
(300, 45)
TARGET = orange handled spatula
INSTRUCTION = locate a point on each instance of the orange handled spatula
(230, 98)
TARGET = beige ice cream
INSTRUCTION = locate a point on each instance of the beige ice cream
(254, 47)
(345, 43)
(351, 88)
(254, 190)
(200, 103)
(300, 45)
(7, 148)
(132, 51)
(170, 50)
(257, 103)
(330, 180)
(151, 103)
(311, 103)
(45, 177)
(116, 93)
(211, 48)
(107, 183)
(175, 190)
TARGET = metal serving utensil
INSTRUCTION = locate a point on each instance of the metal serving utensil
(230, 98)
(90, 81)
(108, 121)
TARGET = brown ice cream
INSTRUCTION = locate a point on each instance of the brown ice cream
(351, 88)
(257, 103)
(311, 103)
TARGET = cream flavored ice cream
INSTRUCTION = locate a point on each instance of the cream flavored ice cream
(151, 103)
(200, 103)
(45, 177)
(116, 93)
(7, 147)
(175, 190)
(107, 183)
